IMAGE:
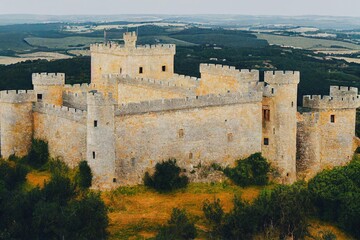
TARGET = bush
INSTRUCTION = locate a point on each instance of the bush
(214, 214)
(179, 227)
(166, 177)
(12, 174)
(39, 153)
(83, 175)
(250, 171)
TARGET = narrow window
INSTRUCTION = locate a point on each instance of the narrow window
(292, 104)
(272, 91)
(266, 114)
(181, 133)
(140, 70)
(120, 70)
(39, 97)
(95, 123)
(332, 118)
(190, 155)
(230, 137)
(114, 180)
(266, 141)
(163, 68)
(93, 153)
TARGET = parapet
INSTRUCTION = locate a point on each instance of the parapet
(61, 111)
(84, 87)
(158, 84)
(48, 79)
(210, 100)
(17, 96)
(140, 50)
(242, 75)
(330, 102)
(282, 77)
(95, 98)
(339, 91)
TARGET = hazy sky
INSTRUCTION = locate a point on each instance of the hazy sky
(247, 7)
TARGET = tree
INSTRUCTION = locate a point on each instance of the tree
(249, 171)
(84, 175)
(179, 227)
(39, 153)
(166, 177)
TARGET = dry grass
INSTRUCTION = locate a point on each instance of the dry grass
(38, 178)
(138, 212)
(316, 227)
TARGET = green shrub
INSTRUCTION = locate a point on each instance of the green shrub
(250, 171)
(166, 177)
(58, 167)
(214, 214)
(83, 175)
(39, 153)
(12, 174)
(179, 227)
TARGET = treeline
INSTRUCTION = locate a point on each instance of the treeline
(64, 208)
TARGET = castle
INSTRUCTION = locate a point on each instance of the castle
(137, 112)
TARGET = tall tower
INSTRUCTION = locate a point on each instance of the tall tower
(16, 121)
(279, 122)
(49, 87)
(130, 39)
(101, 139)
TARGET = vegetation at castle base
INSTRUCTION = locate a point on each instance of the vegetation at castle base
(253, 170)
(38, 154)
(166, 177)
(179, 227)
(83, 175)
(61, 208)
(280, 212)
(336, 196)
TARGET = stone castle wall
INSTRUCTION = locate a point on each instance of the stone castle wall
(64, 129)
(193, 136)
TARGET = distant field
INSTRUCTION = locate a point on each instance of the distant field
(349, 60)
(230, 40)
(165, 39)
(4, 60)
(306, 43)
(62, 43)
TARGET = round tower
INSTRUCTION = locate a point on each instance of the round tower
(49, 87)
(280, 121)
(16, 120)
(101, 139)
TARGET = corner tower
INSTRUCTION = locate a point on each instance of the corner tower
(16, 121)
(327, 130)
(279, 121)
(48, 87)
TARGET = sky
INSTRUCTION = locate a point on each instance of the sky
(243, 7)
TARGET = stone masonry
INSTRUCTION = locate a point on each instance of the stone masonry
(137, 112)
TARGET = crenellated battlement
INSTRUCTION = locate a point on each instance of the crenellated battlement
(95, 98)
(282, 77)
(61, 111)
(341, 91)
(224, 70)
(153, 83)
(188, 103)
(76, 100)
(123, 50)
(331, 102)
(50, 79)
(84, 87)
(17, 96)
